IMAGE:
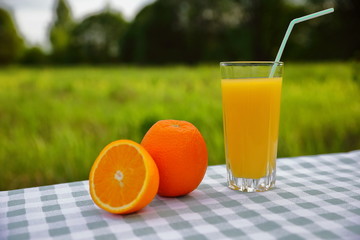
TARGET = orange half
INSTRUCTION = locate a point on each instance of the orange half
(124, 178)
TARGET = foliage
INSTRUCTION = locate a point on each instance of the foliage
(187, 31)
(169, 31)
(34, 56)
(11, 44)
(96, 38)
(191, 32)
(55, 121)
(60, 33)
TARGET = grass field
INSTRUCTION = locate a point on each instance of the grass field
(54, 121)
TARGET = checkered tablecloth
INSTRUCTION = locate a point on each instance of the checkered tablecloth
(316, 197)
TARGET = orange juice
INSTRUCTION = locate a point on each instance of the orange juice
(251, 109)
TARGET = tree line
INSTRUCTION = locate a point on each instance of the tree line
(187, 31)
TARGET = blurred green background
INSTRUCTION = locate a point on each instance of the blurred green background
(105, 78)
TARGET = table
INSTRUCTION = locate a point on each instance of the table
(316, 197)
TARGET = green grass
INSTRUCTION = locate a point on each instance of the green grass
(54, 121)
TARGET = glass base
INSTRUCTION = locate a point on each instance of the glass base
(251, 185)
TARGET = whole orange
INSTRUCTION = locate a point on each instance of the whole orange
(180, 153)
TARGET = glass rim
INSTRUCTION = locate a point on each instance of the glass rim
(250, 63)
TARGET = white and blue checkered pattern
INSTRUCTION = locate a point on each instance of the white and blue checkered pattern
(316, 197)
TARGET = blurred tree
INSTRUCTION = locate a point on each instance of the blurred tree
(154, 37)
(172, 31)
(34, 56)
(11, 44)
(336, 36)
(96, 38)
(60, 32)
(349, 31)
(208, 30)
(169, 31)
(265, 23)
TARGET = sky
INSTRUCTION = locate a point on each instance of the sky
(33, 17)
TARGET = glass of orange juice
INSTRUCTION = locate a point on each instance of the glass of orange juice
(251, 112)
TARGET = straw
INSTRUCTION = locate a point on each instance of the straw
(288, 31)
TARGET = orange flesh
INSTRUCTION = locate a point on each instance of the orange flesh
(127, 174)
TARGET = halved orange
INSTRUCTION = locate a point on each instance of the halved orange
(124, 178)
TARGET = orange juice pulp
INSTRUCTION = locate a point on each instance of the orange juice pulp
(251, 109)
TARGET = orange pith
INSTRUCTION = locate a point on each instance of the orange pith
(124, 177)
